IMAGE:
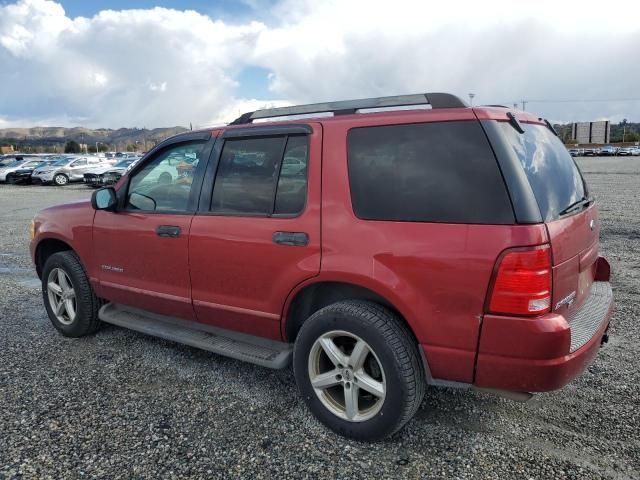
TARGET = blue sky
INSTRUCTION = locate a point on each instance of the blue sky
(226, 9)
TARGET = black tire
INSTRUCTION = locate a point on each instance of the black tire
(87, 303)
(60, 180)
(397, 352)
(11, 180)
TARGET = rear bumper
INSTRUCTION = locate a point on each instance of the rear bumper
(544, 353)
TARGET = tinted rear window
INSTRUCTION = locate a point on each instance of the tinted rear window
(555, 178)
(429, 172)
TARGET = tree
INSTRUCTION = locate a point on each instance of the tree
(72, 147)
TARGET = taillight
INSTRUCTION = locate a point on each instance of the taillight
(522, 284)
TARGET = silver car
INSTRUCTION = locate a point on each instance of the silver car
(12, 167)
(68, 169)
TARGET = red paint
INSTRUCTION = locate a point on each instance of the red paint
(240, 278)
(536, 373)
(226, 271)
(155, 270)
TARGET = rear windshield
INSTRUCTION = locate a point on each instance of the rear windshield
(553, 174)
(428, 172)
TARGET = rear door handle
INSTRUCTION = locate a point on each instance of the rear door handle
(168, 231)
(297, 239)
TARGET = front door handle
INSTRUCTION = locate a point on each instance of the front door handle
(168, 231)
(298, 239)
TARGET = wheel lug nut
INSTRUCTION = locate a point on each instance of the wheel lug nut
(338, 377)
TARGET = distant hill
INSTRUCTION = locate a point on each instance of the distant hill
(54, 138)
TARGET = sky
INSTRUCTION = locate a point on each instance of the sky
(154, 63)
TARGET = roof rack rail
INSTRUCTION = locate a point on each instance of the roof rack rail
(345, 107)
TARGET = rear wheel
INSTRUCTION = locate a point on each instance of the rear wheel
(358, 369)
(70, 301)
(61, 179)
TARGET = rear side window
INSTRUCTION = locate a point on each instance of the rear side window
(554, 176)
(262, 176)
(429, 172)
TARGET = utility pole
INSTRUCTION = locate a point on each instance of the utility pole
(524, 105)
(471, 95)
(624, 132)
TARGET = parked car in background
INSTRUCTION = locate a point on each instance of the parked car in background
(22, 175)
(590, 152)
(628, 151)
(340, 245)
(607, 151)
(108, 175)
(576, 152)
(67, 169)
(7, 173)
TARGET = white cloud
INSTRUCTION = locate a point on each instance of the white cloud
(166, 67)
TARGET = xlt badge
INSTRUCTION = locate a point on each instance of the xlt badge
(112, 268)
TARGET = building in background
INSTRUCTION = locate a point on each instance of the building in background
(591, 132)
(6, 149)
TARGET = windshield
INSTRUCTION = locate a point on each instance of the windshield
(554, 176)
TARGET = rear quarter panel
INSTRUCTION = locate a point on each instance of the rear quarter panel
(436, 275)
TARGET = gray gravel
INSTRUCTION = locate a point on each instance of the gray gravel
(123, 405)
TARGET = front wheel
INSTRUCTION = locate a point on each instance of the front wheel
(358, 368)
(70, 301)
(61, 179)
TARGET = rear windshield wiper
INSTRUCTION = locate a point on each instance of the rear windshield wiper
(579, 205)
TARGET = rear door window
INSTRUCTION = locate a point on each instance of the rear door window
(428, 172)
(262, 176)
(554, 176)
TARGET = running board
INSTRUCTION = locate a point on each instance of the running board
(258, 350)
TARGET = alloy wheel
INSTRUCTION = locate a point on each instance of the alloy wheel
(347, 376)
(62, 296)
(61, 180)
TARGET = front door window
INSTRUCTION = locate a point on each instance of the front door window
(164, 184)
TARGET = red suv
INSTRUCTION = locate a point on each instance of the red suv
(378, 245)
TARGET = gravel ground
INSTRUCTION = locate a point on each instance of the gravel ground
(123, 405)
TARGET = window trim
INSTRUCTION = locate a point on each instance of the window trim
(206, 198)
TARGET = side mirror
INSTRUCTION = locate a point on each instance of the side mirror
(104, 199)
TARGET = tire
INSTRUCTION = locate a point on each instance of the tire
(61, 180)
(11, 180)
(84, 303)
(391, 346)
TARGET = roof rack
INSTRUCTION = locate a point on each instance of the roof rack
(345, 107)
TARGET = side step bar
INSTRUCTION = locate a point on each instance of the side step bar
(261, 351)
